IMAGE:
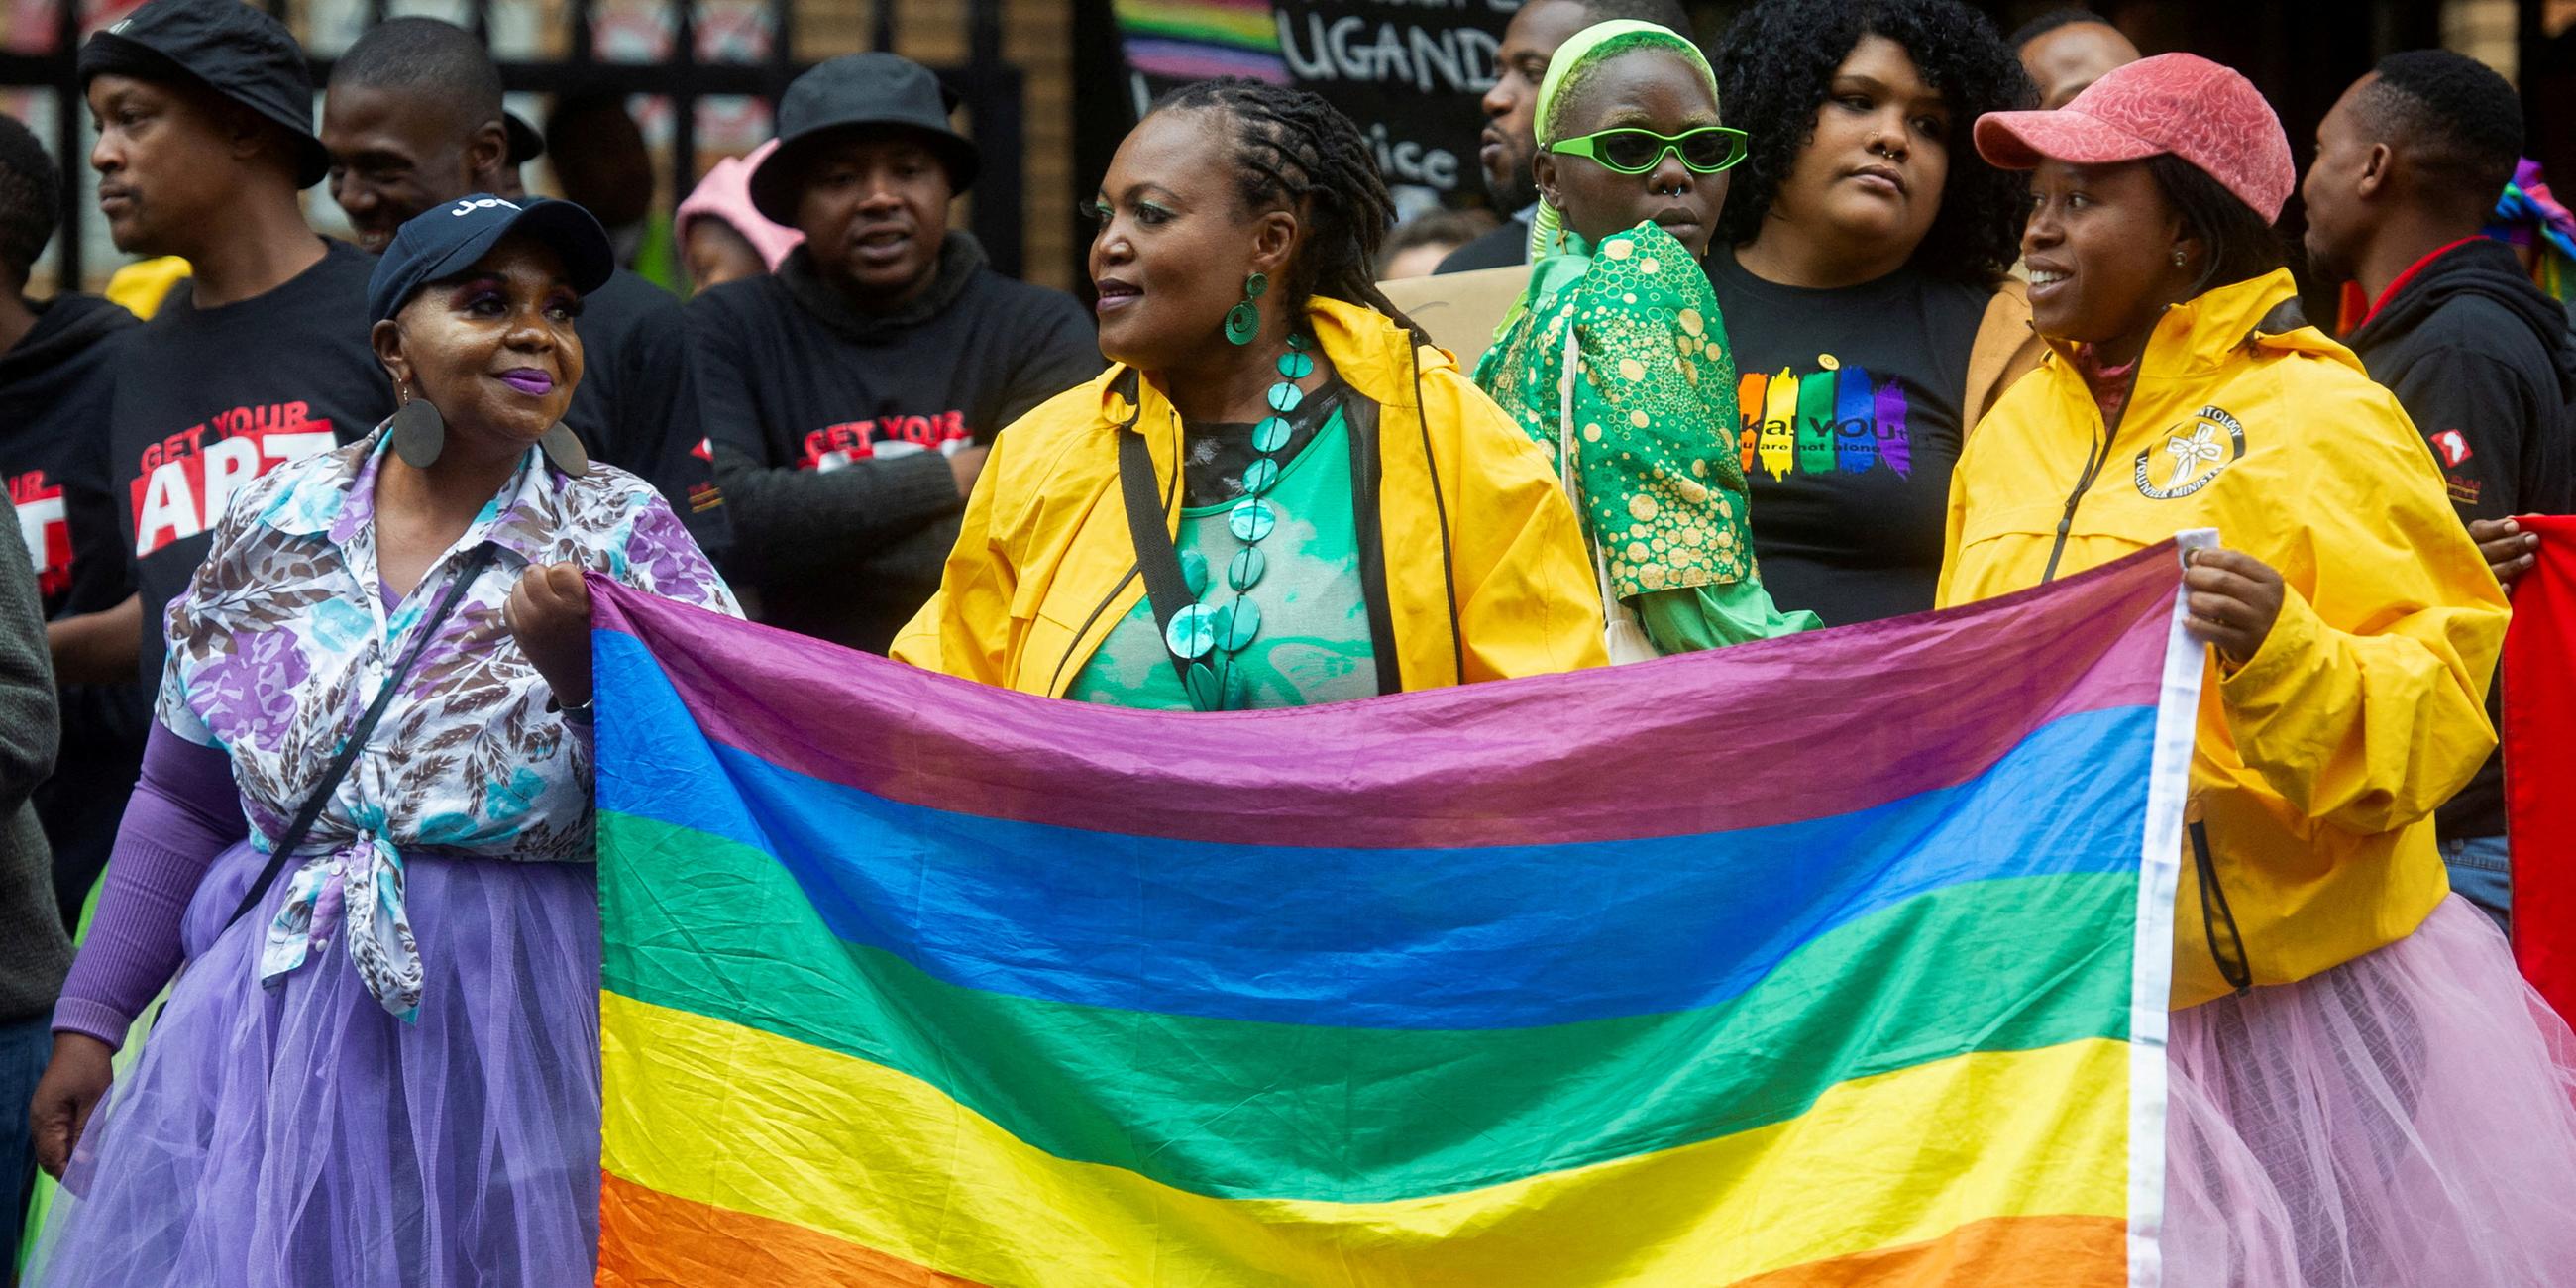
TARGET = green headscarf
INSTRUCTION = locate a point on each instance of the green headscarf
(1594, 44)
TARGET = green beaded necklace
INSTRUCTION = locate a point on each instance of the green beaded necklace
(1208, 635)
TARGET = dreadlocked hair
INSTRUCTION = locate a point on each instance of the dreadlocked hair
(1292, 149)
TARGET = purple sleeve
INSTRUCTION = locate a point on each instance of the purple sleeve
(185, 811)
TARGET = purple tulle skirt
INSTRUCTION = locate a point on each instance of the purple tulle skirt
(2407, 1118)
(301, 1136)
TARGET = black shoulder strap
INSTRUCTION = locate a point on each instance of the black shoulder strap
(1360, 420)
(1155, 557)
(476, 560)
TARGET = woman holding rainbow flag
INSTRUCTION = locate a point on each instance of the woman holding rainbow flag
(363, 839)
(1280, 494)
(2362, 1090)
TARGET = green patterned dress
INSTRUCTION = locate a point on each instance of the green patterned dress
(1658, 468)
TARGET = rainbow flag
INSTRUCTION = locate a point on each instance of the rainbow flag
(1832, 959)
(1174, 42)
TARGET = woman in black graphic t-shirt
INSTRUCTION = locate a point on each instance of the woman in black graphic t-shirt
(1866, 253)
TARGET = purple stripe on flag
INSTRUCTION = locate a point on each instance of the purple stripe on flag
(1201, 60)
(1478, 765)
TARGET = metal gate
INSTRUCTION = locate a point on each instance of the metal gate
(992, 91)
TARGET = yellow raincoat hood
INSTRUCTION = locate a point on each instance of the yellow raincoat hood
(2319, 763)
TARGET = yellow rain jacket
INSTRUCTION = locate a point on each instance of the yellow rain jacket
(1486, 574)
(2319, 763)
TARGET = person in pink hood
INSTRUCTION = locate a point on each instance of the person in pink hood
(722, 238)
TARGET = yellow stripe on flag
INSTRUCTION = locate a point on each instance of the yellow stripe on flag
(744, 1120)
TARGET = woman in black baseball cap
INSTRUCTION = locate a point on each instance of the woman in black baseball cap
(382, 1067)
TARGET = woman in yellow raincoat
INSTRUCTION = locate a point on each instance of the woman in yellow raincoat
(1280, 495)
(2362, 1090)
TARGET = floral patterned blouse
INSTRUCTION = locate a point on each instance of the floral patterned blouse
(1626, 338)
(285, 636)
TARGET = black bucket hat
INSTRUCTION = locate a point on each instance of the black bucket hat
(525, 143)
(448, 238)
(854, 91)
(230, 47)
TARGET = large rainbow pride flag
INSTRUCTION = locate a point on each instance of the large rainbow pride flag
(1827, 960)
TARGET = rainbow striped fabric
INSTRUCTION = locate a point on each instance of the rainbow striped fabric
(1833, 959)
(1174, 42)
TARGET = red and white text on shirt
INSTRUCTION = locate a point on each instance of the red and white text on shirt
(834, 446)
(185, 480)
(47, 528)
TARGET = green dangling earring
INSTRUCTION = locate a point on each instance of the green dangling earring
(1243, 321)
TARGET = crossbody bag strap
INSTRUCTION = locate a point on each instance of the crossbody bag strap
(476, 560)
(1359, 423)
(1155, 557)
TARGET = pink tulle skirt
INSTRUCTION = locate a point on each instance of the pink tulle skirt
(2405, 1120)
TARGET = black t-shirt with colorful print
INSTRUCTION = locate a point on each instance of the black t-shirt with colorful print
(1850, 406)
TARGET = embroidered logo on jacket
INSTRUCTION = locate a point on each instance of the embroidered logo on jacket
(2452, 446)
(2191, 457)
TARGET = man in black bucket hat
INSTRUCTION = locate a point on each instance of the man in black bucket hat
(850, 394)
(235, 50)
(205, 139)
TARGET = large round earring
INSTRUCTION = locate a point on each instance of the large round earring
(1243, 321)
(418, 432)
(564, 451)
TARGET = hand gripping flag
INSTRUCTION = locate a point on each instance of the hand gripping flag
(1832, 959)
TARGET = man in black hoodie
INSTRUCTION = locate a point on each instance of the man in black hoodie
(2408, 164)
(56, 359)
(849, 396)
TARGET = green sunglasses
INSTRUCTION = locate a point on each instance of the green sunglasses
(1630, 150)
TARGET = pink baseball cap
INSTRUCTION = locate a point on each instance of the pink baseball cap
(2179, 103)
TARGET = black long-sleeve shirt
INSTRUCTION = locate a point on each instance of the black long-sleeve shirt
(827, 426)
(2482, 362)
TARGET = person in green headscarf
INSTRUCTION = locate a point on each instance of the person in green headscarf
(1631, 174)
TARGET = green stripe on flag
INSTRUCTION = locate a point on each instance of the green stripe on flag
(1244, 1109)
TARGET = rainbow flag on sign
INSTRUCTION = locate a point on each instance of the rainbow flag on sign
(1174, 42)
(1832, 959)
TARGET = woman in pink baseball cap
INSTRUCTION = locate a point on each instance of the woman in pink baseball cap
(2362, 1091)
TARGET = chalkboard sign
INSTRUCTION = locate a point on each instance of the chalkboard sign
(1410, 72)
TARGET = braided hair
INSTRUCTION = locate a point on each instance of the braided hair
(1292, 149)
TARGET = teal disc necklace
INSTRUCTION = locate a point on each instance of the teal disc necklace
(1210, 635)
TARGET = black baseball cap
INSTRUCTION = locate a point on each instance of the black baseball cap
(230, 47)
(449, 238)
(855, 91)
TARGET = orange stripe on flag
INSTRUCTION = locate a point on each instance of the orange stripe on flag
(2022, 1251)
(648, 1239)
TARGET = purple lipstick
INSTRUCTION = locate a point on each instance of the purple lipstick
(529, 381)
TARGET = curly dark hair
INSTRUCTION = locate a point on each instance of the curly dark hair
(1294, 149)
(1778, 59)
